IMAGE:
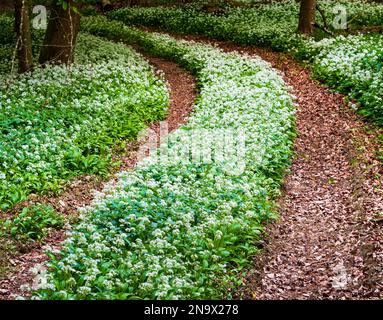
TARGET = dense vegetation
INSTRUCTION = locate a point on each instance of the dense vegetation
(351, 64)
(32, 223)
(271, 25)
(354, 65)
(186, 220)
(60, 122)
(173, 227)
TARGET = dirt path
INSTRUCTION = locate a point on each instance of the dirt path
(317, 250)
(80, 193)
(328, 243)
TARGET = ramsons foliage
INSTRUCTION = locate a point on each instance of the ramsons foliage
(182, 228)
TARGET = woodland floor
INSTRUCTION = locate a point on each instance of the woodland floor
(328, 242)
(80, 192)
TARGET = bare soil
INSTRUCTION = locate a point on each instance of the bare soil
(328, 242)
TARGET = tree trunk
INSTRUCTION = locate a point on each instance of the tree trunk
(24, 40)
(307, 17)
(61, 35)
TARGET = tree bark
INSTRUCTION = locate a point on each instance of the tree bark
(61, 35)
(307, 17)
(24, 39)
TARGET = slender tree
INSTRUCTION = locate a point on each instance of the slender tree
(24, 40)
(307, 17)
(61, 34)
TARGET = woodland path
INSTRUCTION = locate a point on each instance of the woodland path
(79, 192)
(328, 242)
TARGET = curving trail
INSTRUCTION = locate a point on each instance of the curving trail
(328, 242)
(182, 90)
(182, 87)
(317, 250)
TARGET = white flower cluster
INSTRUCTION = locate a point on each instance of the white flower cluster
(57, 122)
(271, 24)
(176, 230)
(354, 65)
